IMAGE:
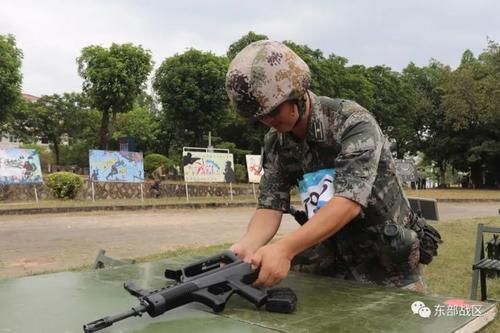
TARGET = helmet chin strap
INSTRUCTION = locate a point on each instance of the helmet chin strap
(301, 108)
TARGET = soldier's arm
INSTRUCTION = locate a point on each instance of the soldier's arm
(326, 222)
(274, 259)
(357, 164)
(261, 229)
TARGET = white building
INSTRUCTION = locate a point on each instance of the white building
(8, 141)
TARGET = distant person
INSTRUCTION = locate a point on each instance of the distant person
(95, 175)
(159, 172)
(157, 176)
(155, 188)
(337, 155)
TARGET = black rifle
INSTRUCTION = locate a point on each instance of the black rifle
(209, 281)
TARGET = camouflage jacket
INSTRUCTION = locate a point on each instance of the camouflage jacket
(344, 136)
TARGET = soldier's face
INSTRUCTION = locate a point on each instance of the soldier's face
(283, 118)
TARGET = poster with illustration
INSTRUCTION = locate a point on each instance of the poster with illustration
(116, 166)
(254, 169)
(20, 166)
(208, 167)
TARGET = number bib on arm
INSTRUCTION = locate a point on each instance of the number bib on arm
(316, 189)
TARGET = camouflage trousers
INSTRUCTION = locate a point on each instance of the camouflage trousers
(381, 269)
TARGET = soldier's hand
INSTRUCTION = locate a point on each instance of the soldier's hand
(274, 263)
(243, 251)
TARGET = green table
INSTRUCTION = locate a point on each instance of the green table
(63, 302)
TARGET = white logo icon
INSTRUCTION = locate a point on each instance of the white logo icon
(416, 306)
(419, 308)
(424, 312)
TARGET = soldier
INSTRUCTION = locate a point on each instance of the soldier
(360, 222)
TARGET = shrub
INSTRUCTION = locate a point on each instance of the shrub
(77, 153)
(64, 185)
(153, 161)
(240, 173)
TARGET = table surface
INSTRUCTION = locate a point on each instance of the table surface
(63, 302)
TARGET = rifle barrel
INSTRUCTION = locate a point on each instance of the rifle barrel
(99, 324)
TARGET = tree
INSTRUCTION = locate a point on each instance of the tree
(468, 58)
(191, 90)
(331, 77)
(355, 85)
(472, 115)
(10, 75)
(393, 108)
(428, 89)
(113, 78)
(421, 90)
(243, 42)
(52, 117)
(140, 124)
(232, 128)
(322, 76)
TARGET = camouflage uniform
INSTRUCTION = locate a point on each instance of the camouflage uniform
(345, 136)
(342, 136)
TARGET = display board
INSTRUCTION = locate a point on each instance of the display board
(208, 167)
(254, 169)
(116, 166)
(20, 166)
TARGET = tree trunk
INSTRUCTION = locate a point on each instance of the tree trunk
(476, 176)
(56, 151)
(442, 174)
(103, 133)
(112, 125)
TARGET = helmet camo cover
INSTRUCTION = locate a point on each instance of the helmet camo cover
(263, 75)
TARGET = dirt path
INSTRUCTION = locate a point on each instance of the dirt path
(37, 243)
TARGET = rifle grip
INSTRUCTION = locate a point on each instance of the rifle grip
(252, 294)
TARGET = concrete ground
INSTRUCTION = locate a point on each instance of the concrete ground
(41, 242)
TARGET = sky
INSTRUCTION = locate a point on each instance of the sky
(394, 33)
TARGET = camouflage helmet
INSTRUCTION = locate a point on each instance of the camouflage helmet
(263, 75)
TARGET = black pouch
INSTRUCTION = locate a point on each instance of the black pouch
(429, 238)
